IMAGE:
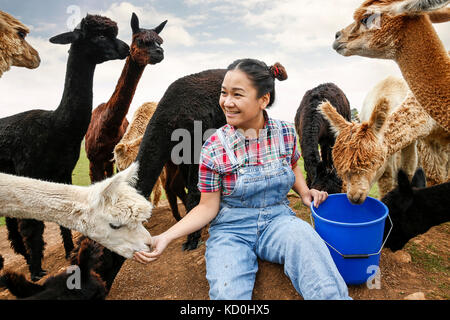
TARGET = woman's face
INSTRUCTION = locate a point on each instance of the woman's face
(239, 101)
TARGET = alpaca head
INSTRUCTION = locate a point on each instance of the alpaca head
(126, 152)
(15, 50)
(95, 38)
(399, 201)
(146, 46)
(359, 152)
(116, 214)
(380, 25)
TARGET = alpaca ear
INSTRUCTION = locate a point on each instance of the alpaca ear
(413, 7)
(159, 28)
(130, 174)
(66, 38)
(120, 148)
(379, 115)
(403, 182)
(419, 180)
(110, 186)
(439, 16)
(337, 122)
(135, 23)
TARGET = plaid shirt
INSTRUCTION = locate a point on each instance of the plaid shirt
(216, 171)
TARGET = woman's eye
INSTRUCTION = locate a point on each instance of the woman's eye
(114, 226)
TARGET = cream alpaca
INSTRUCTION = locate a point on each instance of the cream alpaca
(401, 31)
(14, 49)
(110, 212)
(373, 150)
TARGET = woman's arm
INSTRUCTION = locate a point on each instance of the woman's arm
(307, 195)
(196, 219)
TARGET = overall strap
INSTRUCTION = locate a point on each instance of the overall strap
(230, 153)
(281, 137)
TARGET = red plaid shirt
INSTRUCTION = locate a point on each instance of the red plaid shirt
(215, 170)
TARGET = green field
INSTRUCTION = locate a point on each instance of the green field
(80, 176)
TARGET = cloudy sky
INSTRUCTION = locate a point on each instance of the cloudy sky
(200, 35)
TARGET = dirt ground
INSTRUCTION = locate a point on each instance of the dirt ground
(181, 275)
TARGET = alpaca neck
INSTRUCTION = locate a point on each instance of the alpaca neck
(425, 65)
(26, 198)
(119, 103)
(406, 124)
(75, 108)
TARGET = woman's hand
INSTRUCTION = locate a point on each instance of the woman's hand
(159, 243)
(314, 195)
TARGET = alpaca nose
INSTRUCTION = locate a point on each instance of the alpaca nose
(159, 50)
(338, 35)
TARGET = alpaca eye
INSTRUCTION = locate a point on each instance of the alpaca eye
(114, 226)
(364, 20)
(21, 34)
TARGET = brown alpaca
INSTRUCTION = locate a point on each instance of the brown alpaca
(367, 152)
(401, 30)
(108, 122)
(14, 49)
(126, 151)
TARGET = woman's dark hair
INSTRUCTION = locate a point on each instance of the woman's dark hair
(262, 76)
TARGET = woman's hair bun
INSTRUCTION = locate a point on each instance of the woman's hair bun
(278, 71)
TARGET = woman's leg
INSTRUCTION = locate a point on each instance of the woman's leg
(231, 267)
(307, 262)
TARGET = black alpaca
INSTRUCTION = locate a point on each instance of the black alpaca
(313, 131)
(188, 99)
(46, 144)
(91, 286)
(414, 209)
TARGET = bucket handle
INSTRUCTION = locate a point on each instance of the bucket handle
(357, 256)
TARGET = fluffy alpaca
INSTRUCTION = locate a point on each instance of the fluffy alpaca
(46, 144)
(91, 285)
(108, 121)
(403, 32)
(364, 151)
(111, 212)
(188, 99)
(313, 131)
(127, 149)
(14, 49)
(414, 209)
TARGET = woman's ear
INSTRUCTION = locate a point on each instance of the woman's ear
(265, 99)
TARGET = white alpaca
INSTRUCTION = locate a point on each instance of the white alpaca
(110, 212)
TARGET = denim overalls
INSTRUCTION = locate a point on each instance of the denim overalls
(255, 220)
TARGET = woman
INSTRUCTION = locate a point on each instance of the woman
(246, 170)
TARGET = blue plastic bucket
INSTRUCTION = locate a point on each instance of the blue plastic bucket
(353, 234)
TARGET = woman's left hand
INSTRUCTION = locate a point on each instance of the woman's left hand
(314, 195)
